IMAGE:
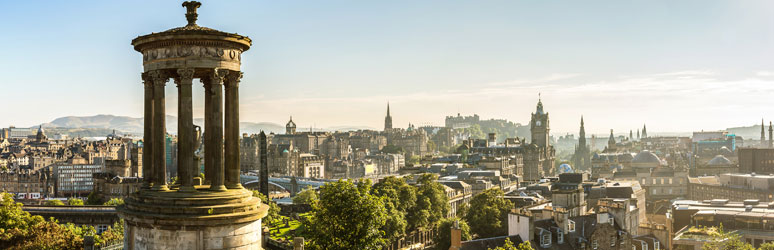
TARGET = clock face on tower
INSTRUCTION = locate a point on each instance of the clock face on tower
(537, 123)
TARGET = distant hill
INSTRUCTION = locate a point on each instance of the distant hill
(749, 132)
(96, 125)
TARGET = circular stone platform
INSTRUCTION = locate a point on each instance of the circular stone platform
(194, 220)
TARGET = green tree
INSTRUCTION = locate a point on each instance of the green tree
(488, 213)
(54, 203)
(442, 238)
(274, 209)
(721, 240)
(767, 246)
(13, 218)
(392, 149)
(398, 197)
(74, 202)
(431, 146)
(114, 234)
(414, 160)
(347, 216)
(509, 246)
(306, 196)
(432, 204)
(95, 198)
(20, 230)
(114, 202)
(462, 210)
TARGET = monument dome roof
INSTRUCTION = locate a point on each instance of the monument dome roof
(191, 32)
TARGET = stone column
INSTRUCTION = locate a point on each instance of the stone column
(185, 130)
(207, 129)
(159, 131)
(147, 136)
(216, 137)
(232, 130)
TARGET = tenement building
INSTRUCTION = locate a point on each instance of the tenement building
(218, 213)
(733, 187)
(756, 160)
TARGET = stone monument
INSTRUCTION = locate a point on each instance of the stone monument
(216, 214)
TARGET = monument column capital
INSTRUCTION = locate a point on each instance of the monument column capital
(185, 76)
(158, 77)
(233, 79)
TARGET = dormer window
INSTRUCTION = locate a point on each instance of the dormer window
(570, 226)
(545, 239)
(594, 244)
(612, 240)
(611, 221)
(559, 236)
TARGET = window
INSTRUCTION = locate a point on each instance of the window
(611, 221)
(570, 226)
(594, 244)
(656, 245)
(559, 236)
(545, 239)
(612, 240)
(644, 245)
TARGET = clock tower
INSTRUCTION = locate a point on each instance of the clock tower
(539, 126)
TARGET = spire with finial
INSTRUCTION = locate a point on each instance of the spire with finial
(771, 135)
(539, 104)
(582, 134)
(763, 132)
(190, 13)
(388, 119)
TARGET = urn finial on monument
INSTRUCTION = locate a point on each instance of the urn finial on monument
(190, 13)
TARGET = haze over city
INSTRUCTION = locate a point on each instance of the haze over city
(677, 66)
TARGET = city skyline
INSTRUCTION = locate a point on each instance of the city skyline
(677, 67)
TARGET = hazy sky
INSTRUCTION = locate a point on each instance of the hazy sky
(675, 65)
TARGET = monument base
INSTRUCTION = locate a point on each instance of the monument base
(236, 236)
(201, 220)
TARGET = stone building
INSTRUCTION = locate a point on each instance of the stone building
(605, 165)
(73, 179)
(111, 186)
(756, 160)
(461, 194)
(26, 184)
(751, 219)
(716, 166)
(539, 155)
(282, 159)
(310, 166)
(732, 187)
(249, 153)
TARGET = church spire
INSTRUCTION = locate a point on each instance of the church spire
(388, 119)
(763, 132)
(771, 136)
(582, 135)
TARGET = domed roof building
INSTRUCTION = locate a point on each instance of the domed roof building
(646, 159)
(717, 165)
(719, 160)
